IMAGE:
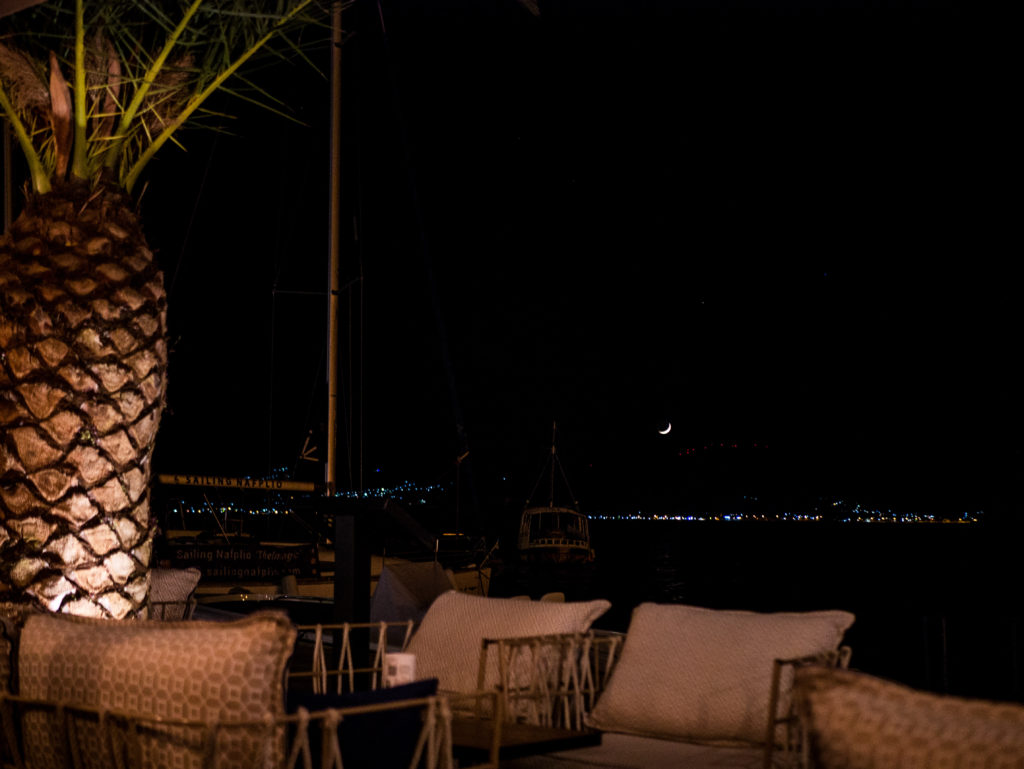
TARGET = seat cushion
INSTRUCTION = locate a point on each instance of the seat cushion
(448, 642)
(702, 674)
(629, 751)
(858, 721)
(197, 671)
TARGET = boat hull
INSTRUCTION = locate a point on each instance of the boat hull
(557, 553)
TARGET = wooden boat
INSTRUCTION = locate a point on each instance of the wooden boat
(554, 532)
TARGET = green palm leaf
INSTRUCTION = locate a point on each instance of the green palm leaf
(138, 72)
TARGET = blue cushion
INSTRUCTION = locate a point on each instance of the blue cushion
(372, 740)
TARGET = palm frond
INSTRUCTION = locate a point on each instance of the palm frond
(24, 82)
(265, 104)
(61, 115)
(80, 149)
(141, 70)
(111, 94)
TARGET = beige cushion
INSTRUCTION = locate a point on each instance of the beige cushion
(447, 644)
(196, 671)
(701, 674)
(857, 721)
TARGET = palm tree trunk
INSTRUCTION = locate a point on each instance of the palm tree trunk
(83, 360)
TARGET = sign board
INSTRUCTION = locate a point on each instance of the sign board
(224, 482)
(246, 561)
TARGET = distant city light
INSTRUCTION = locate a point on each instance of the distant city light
(848, 514)
(407, 492)
(839, 510)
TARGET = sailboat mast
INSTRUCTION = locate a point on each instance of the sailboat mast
(551, 490)
(330, 470)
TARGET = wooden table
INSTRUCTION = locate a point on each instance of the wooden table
(473, 738)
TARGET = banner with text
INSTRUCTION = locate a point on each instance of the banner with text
(247, 561)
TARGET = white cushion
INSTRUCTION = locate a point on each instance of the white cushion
(702, 674)
(448, 642)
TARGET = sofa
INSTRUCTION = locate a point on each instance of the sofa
(686, 687)
(166, 676)
(94, 694)
(694, 688)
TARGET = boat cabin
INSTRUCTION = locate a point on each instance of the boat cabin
(554, 533)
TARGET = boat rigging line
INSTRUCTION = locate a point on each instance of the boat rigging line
(424, 248)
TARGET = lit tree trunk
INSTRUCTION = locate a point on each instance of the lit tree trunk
(92, 91)
(83, 361)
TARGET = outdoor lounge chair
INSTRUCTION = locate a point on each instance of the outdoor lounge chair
(686, 687)
(95, 694)
(852, 719)
(355, 736)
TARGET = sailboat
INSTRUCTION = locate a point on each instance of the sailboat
(555, 533)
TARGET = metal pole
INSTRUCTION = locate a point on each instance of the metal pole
(330, 472)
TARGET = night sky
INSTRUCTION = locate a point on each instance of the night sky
(767, 223)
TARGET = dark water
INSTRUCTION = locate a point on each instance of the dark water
(937, 606)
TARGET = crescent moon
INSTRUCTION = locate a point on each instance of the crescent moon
(667, 430)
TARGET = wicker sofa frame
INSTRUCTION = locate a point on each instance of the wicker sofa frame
(125, 738)
(555, 681)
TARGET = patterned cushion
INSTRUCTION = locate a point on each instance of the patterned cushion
(701, 674)
(447, 644)
(857, 721)
(196, 671)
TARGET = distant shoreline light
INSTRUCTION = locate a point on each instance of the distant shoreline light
(860, 517)
(412, 493)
